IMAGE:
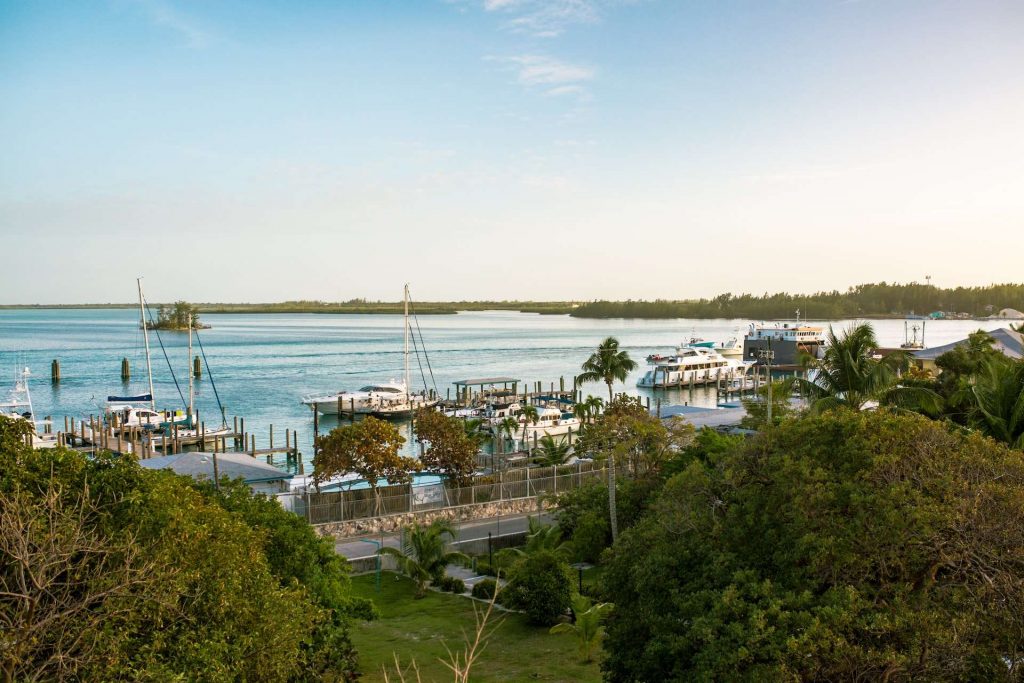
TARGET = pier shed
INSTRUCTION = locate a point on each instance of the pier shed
(261, 477)
(464, 387)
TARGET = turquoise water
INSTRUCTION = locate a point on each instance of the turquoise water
(264, 363)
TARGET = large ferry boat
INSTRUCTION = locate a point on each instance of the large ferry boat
(692, 365)
(788, 342)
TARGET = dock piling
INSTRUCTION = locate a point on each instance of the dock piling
(55, 371)
(126, 370)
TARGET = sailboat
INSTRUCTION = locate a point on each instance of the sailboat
(383, 399)
(140, 410)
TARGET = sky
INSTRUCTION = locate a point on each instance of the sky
(506, 149)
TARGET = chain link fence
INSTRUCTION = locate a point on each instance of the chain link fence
(526, 482)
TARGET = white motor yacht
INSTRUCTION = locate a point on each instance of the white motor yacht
(18, 406)
(692, 365)
(551, 421)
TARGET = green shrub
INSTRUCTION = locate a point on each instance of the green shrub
(593, 535)
(451, 584)
(486, 568)
(485, 589)
(542, 587)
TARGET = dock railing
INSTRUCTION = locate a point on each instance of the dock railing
(515, 484)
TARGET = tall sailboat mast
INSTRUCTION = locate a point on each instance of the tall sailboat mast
(406, 301)
(188, 367)
(145, 335)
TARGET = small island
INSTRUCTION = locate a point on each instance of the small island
(176, 317)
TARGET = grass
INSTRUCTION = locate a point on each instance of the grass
(418, 629)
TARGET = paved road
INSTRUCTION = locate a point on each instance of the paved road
(467, 531)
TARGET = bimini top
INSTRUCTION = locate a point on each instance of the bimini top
(484, 381)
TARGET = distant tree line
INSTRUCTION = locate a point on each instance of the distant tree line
(881, 299)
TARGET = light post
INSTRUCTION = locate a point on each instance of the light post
(767, 356)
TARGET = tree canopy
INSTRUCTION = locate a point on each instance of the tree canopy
(841, 546)
(449, 449)
(370, 448)
(109, 571)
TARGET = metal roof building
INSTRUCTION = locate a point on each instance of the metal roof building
(260, 476)
(1008, 342)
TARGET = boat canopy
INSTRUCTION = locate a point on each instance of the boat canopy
(141, 398)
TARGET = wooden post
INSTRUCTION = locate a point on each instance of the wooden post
(316, 420)
(202, 431)
(271, 436)
(243, 443)
(339, 406)
(55, 371)
(234, 431)
(352, 409)
(252, 443)
(126, 370)
(197, 368)
(659, 407)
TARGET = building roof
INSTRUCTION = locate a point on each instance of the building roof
(1008, 342)
(231, 465)
(1010, 314)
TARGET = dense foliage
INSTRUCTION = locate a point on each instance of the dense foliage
(862, 300)
(175, 316)
(843, 546)
(424, 554)
(370, 448)
(448, 448)
(541, 586)
(112, 572)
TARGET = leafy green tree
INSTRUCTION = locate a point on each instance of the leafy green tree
(607, 364)
(630, 435)
(370, 448)
(539, 538)
(452, 450)
(757, 409)
(586, 627)
(149, 576)
(541, 586)
(424, 554)
(842, 546)
(958, 368)
(176, 316)
(850, 376)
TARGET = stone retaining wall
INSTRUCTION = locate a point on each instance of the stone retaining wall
(371, 526)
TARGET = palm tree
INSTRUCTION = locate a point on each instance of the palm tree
(850, 376)
(998, 393)
(582, 412)
(423, 556)
(596, 404)
(530, 416)
(587, 627)
(508, 426)
(552, 451)
(607, 364)
(474, 430)
(539, 537)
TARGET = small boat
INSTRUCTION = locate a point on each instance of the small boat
(787, 342)
(729, 349)
(910, 339)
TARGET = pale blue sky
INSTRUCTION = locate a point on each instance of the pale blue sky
(498, 149)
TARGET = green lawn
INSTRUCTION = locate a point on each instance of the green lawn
(417, 629)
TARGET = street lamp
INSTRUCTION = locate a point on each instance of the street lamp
(580, 566)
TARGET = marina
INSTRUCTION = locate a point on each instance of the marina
(265, 363)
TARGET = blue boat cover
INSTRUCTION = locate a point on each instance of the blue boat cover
(142, 398)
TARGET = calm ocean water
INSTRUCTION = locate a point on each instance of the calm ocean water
(263, 364)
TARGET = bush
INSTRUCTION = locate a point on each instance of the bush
(542, 587)
(486, 568)
(593, 535)
(485, 589)
(451, 584)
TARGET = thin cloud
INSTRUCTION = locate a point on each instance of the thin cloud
(164, 15)
(545, 18)
(551, 75)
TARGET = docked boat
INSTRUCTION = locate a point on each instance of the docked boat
(18, 406)
(733, 348)
(789, 342)
(692, 365)
(551, 421)
(911, 342)
(385, 399)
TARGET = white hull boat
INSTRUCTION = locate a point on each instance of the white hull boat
(692, 365)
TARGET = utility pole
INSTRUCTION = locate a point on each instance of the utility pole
(767, 356)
